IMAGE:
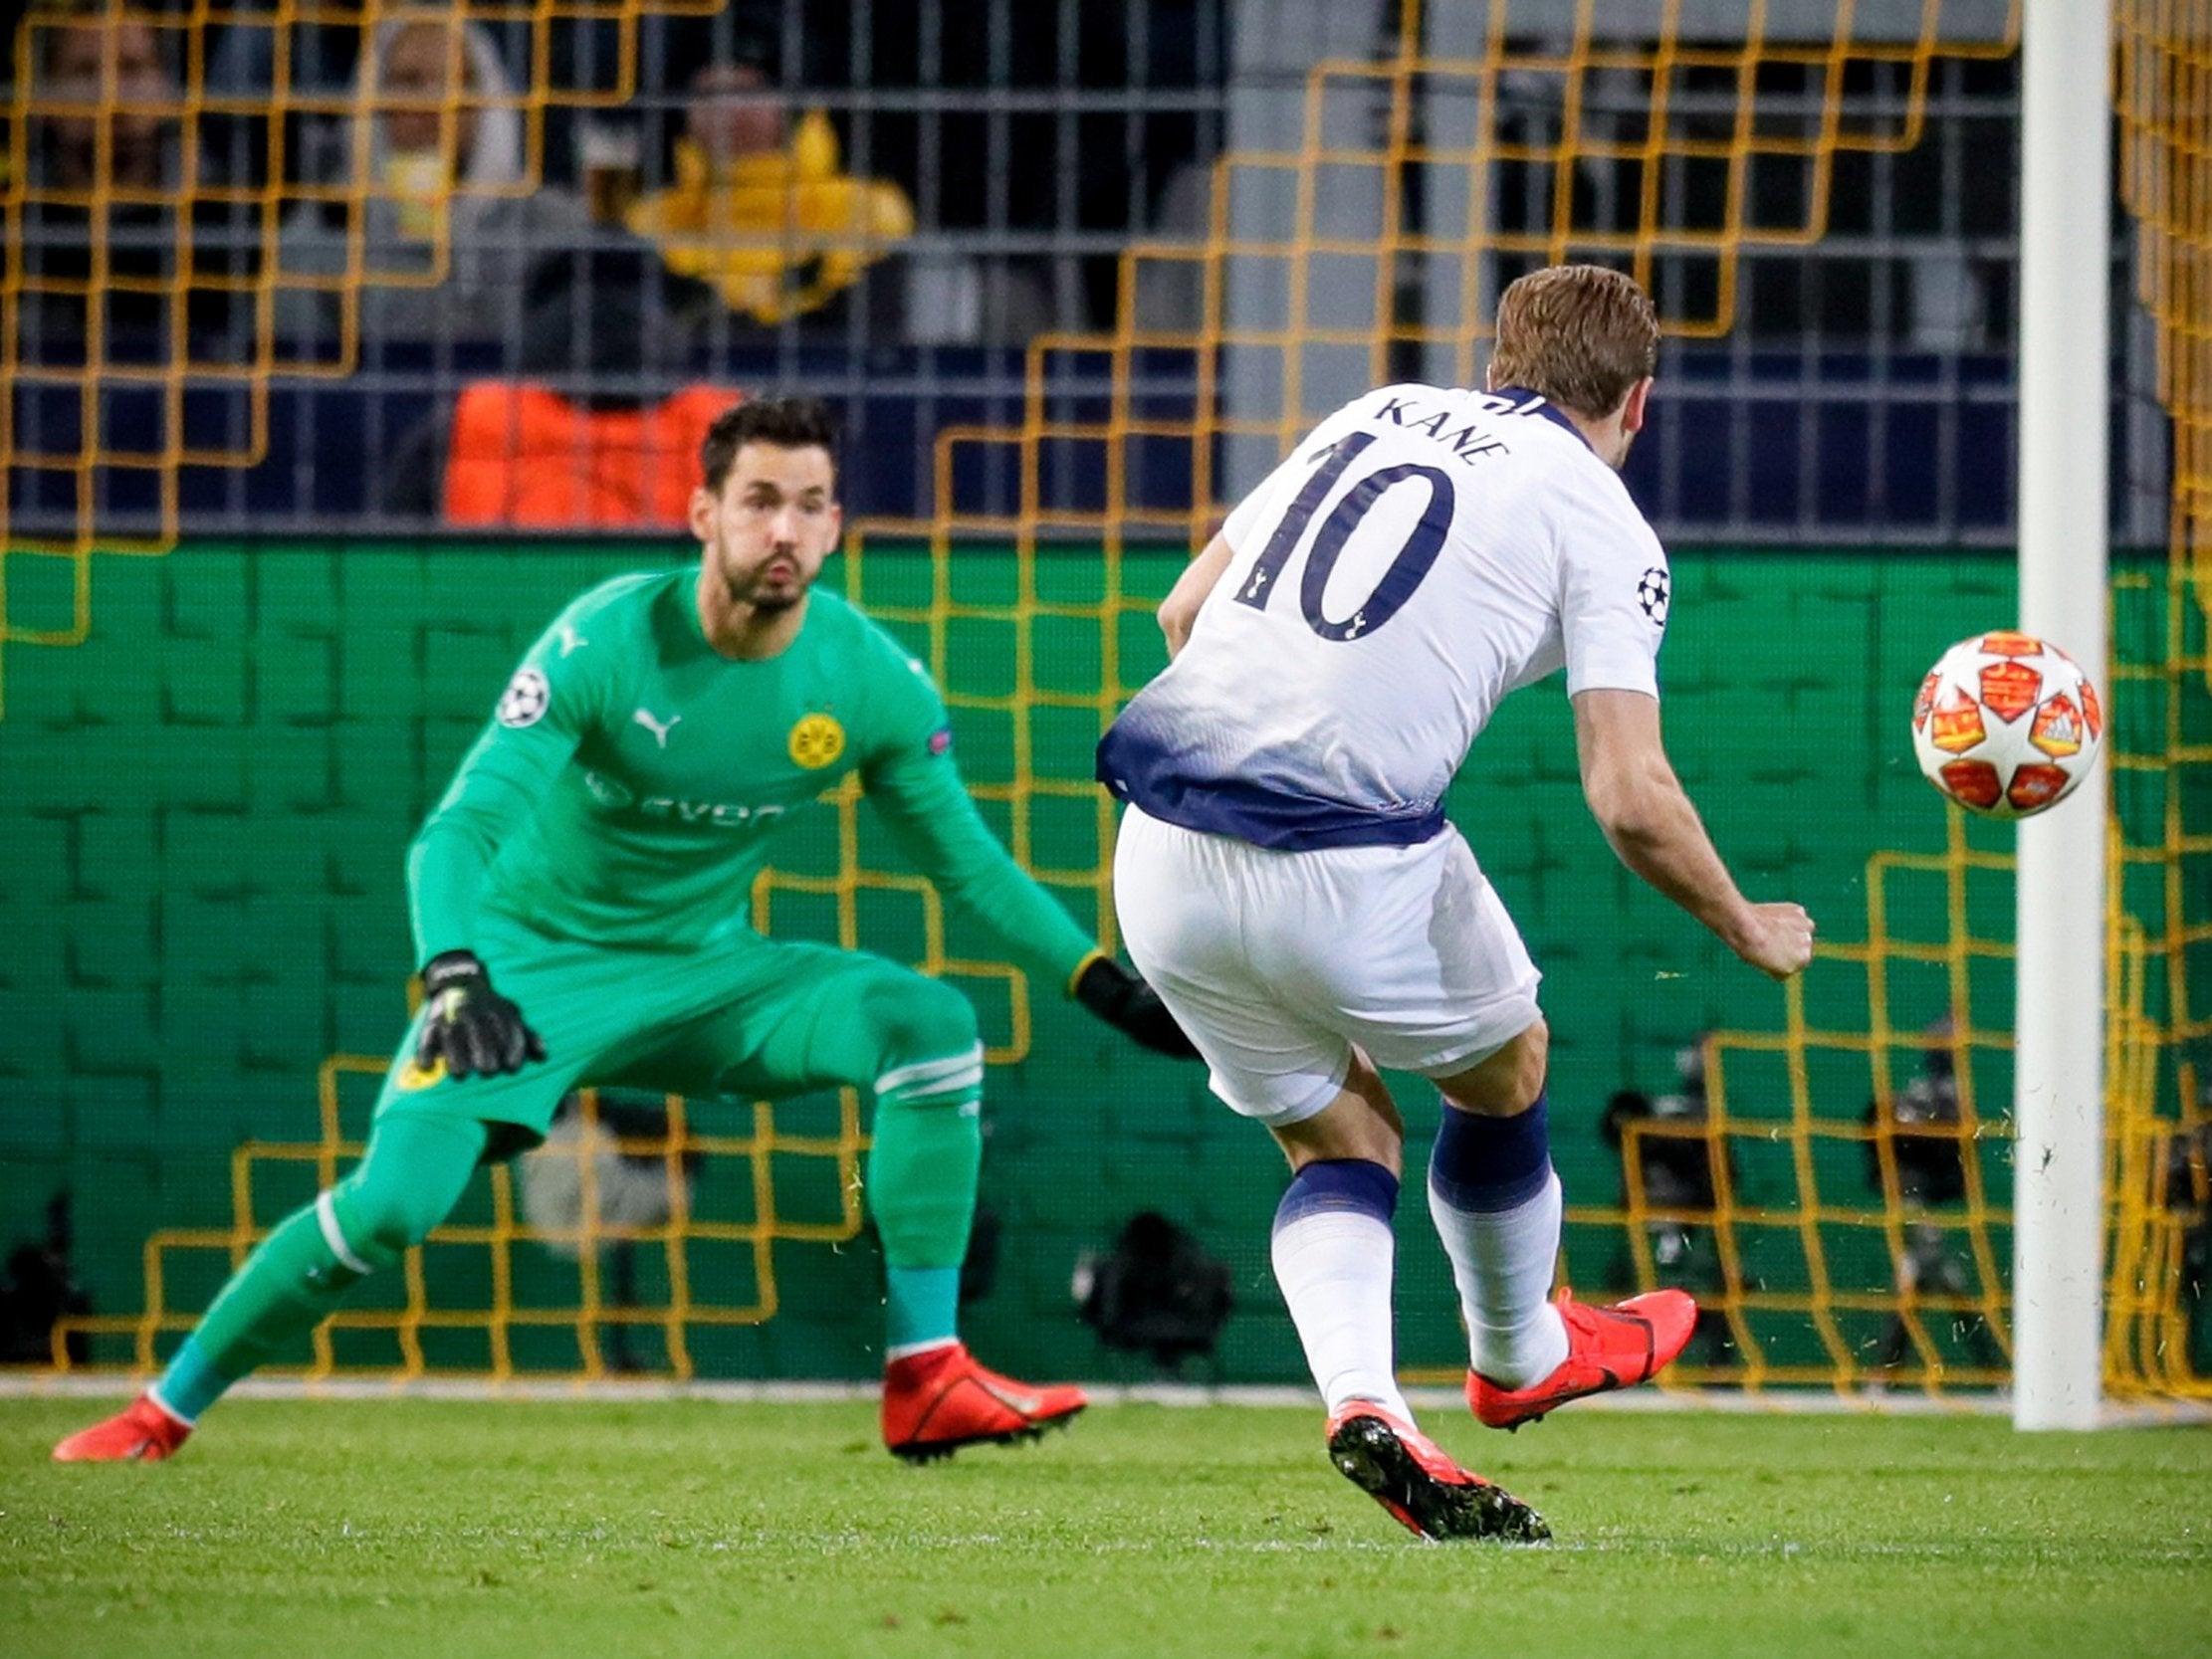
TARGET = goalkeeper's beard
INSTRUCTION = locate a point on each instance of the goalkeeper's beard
(752, 590)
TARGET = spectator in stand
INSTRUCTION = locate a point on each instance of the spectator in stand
(322, 56)
(1929, 1151)
(2189, 1195)
(1681, 1176)
(99, 84)
(436, 165)
(762, 214)
(604, 427)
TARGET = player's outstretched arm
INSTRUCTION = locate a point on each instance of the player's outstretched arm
(1639, 804)
(928, 810)
(468, 1025)
(1124, 1001)
(1178, 613)
(1180, 610)
(553, 698)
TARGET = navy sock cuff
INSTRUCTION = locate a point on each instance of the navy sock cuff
(1339, 1184)
(1484, 1164)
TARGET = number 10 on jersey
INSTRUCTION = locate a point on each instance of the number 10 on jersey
(1405, 570)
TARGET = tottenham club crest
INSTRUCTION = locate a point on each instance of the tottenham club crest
(1652, 593)
(526, 699)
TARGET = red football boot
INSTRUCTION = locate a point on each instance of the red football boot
(1411, 1476)
(1606, 1349)
(939, 1401)
(141, 1433)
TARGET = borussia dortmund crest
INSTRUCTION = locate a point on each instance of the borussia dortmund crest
(817, 741)
(413, 1079)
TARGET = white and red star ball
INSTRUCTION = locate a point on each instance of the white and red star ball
(2006, 725)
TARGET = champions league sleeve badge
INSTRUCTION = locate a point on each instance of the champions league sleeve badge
(526, 700)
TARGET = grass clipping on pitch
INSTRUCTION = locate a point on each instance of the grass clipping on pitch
(408, 1527)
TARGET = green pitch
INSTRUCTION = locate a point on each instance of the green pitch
(408, 1527)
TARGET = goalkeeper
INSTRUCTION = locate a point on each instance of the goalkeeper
(579, 901)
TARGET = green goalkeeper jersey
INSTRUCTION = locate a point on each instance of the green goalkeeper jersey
(633, 781)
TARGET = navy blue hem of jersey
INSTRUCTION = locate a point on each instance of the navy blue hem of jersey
(1270, 818)
(1535, 403)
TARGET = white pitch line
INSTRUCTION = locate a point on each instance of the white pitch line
(553, 1391)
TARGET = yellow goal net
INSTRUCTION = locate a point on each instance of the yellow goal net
(1880, 1286)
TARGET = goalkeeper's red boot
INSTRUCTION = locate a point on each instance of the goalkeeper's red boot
(142, 1433)
(1410, 1475)
(939, 1401)
(1606, 1349)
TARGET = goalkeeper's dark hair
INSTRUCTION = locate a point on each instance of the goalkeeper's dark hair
(785, 422)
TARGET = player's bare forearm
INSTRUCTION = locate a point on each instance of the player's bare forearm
(1652, 826)
(1180, 610)
(1656, 831)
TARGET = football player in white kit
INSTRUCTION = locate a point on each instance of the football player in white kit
(1288, 882)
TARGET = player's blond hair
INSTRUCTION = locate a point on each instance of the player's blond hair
(1580, 335)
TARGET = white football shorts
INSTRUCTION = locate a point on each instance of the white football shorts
(1276, 963)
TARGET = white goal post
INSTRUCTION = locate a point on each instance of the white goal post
(2065, 275)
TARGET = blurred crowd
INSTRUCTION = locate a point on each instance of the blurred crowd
(418, 190)
(245, 187)
(406, 143)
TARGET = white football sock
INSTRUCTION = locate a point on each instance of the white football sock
(1335, 1268)
(1503, 1262)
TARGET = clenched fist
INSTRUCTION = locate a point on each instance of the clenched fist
(1777, 940)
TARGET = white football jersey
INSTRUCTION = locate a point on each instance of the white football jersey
(1425, 552)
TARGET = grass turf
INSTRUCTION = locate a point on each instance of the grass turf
(404, 1527)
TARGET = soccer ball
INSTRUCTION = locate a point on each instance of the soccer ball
(2006, 725)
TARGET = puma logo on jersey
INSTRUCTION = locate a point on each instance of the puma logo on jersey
(659, 731)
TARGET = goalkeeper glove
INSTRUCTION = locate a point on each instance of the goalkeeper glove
(471, 1027)
(1131, 1007)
